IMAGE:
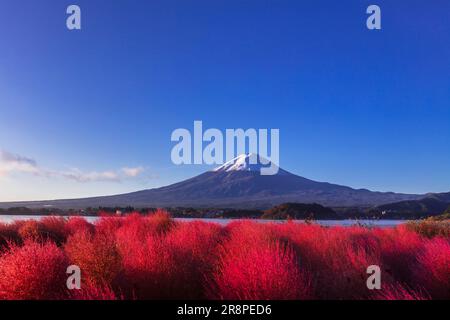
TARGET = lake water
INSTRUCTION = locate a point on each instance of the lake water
(371, 223)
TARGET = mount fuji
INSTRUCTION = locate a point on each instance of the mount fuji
(236, 184)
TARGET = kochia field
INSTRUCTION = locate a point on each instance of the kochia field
(155, 257)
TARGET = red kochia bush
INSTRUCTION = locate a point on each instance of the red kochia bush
(399, 248)
(96, 255)
(76, 224)
(33, 271)
(92, 291)
(154, 257)
(397, 291)
(140, 227)
(338, 257)
(256, 264)
(108, 225)
(145, 270)
(54, 228)
(162, 220)
(48, 228)
(247, 233)
(164, 260)
(433, 268)
(9, 233)
(263, 272)
(30, 230)
(99, 254)
(197, 243)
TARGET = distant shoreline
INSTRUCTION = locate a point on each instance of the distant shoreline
(284, 211)
(202, 218)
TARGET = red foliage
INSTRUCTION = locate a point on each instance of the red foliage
(96, 255)
(398, 292)
(162, 220)
(247, 232)
(399, 248)
(54, 228)
(262, 272)
(94, 292)
(154, 257)
(108, 225)
(258, 262)
(338, 257)
(197, 244)
(433, 269)
(33, 271)
(78, 224)
(30, 230)
(140, 227)
(48, 228)
(9, 233)
(162, 264)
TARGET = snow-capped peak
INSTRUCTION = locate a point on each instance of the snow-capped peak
(244, 162)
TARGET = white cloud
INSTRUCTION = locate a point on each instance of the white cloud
(132, 172)
(80, 176)
(12, 163)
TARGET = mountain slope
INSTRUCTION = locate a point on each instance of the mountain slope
(238, 184)
(432, 204)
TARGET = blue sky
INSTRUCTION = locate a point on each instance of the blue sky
(91, 112)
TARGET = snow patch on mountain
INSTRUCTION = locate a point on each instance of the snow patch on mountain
(244, 162)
